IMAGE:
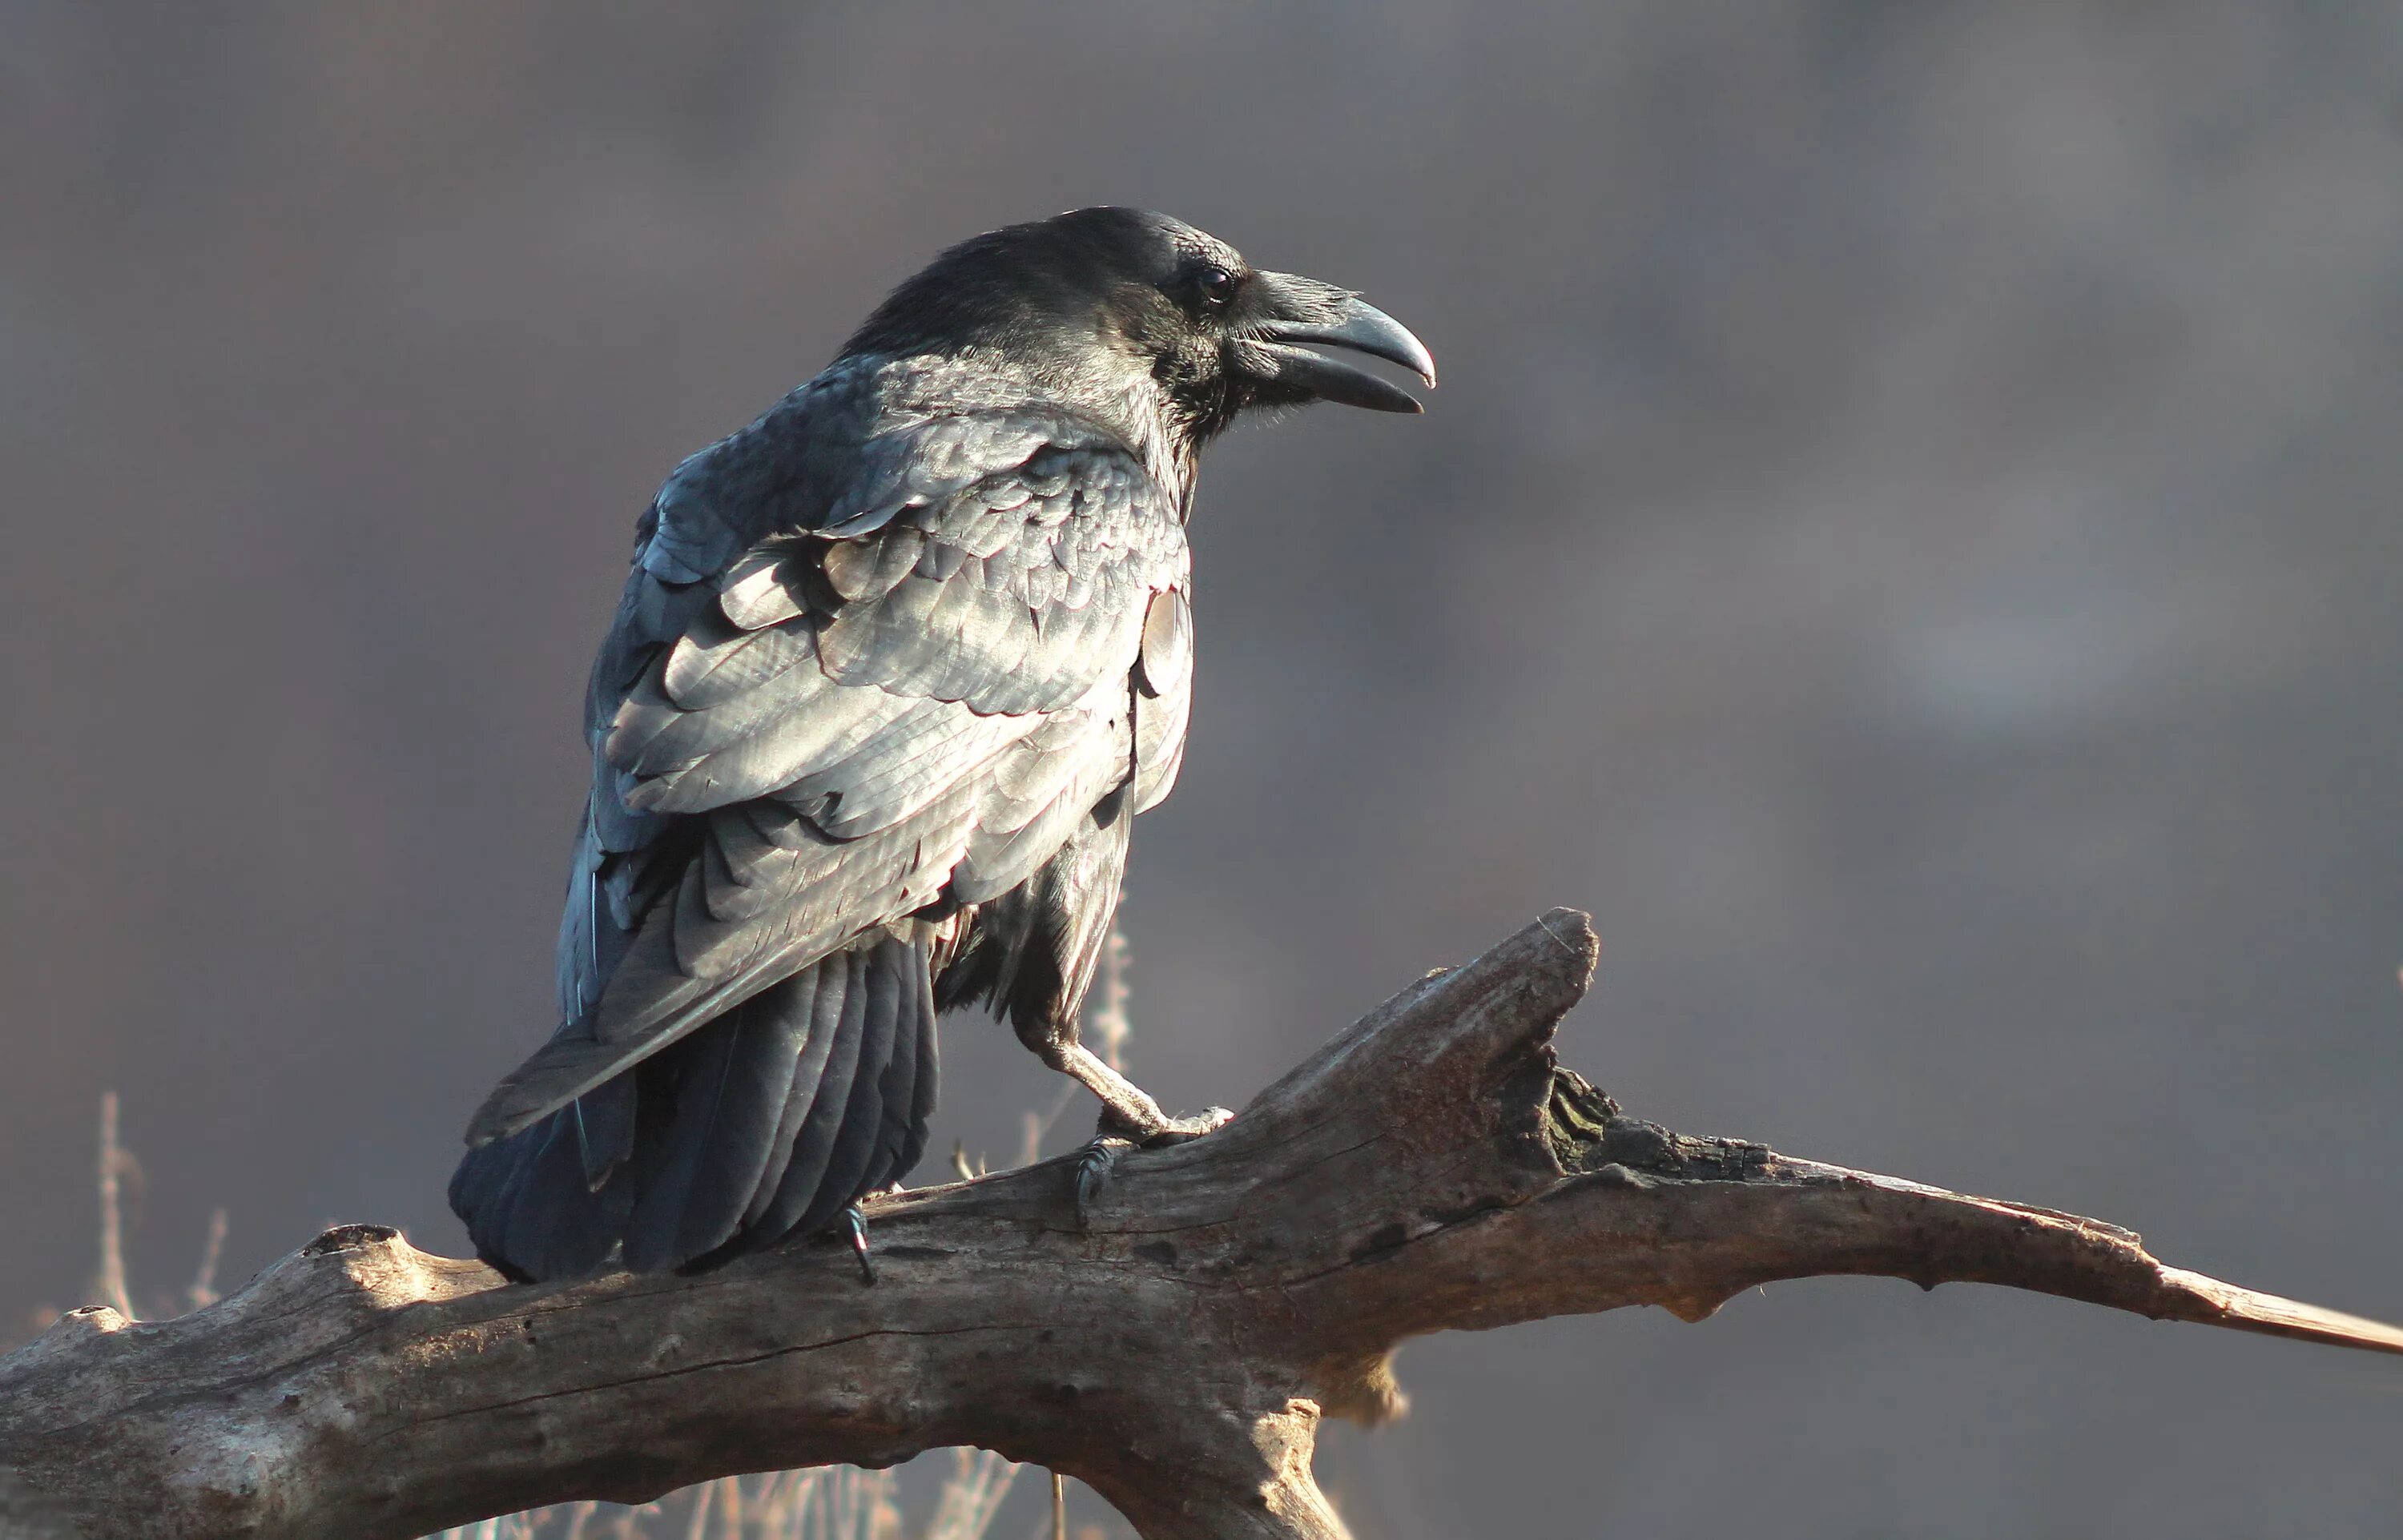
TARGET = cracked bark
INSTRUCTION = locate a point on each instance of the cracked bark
(1429, 1169)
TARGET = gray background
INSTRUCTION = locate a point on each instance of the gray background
(1907, 536)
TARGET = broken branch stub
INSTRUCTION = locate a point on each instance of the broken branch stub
(1429, 1169)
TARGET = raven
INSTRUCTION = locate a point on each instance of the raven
(896, 668)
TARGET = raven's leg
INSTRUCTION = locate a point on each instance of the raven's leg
(1127, 1108)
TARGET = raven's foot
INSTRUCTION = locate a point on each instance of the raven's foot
(1127, 1109)
(1100, 1160)
(1168, 1130)
(858, 1224)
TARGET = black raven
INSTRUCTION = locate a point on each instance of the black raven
(895, 670)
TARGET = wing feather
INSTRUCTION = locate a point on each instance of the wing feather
(719, 661)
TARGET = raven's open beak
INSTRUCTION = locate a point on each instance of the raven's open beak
(1296, 310)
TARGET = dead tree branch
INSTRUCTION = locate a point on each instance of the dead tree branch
(1428, 1169)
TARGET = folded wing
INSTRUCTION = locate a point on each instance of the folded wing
(847, 688)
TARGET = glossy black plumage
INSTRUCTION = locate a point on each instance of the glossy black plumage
(894, 669)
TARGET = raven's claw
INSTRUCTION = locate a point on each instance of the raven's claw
(1094, 1168)
(858, 1223)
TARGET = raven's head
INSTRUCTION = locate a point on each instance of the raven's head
(1144, 322)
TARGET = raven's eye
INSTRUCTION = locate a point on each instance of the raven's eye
(1217, 288)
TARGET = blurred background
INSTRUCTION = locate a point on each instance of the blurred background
(1907, 536)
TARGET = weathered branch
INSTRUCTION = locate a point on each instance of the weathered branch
(1427, 1170)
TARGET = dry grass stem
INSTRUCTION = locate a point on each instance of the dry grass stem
(1110, 1024)
(203, 1292)
(113, 1167)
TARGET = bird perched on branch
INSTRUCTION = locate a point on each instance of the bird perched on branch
(896, 668)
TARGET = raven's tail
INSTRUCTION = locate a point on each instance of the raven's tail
(761, 1124)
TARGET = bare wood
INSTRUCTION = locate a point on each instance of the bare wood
(1429, 1169)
